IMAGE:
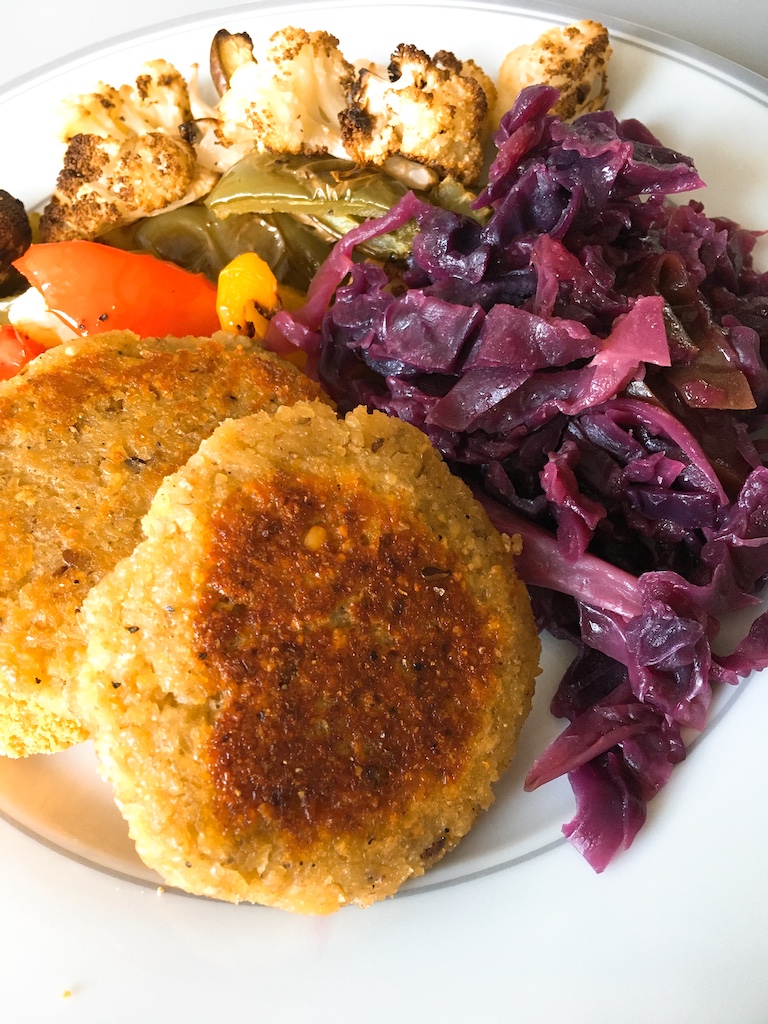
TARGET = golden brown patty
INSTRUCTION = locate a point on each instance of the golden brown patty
(304, 682)
(87, 433)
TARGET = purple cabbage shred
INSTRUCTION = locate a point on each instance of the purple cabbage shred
(592, 359)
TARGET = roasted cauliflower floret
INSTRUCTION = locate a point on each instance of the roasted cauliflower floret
(158, 101)
(431, 110)
(127, 156)
(288, 100)
(469, 69)
(574, 59)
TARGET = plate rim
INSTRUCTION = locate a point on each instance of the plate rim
(724, 70)
(745, 79)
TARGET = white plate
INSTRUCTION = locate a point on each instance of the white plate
(513, 906)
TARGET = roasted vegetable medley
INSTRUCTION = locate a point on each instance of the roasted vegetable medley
(498, 260)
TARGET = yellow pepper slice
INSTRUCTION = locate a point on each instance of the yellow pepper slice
(247, 295)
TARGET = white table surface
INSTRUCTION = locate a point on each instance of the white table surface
(113, 974)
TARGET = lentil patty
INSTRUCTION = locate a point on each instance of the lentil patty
(87, 433)
(304, 682)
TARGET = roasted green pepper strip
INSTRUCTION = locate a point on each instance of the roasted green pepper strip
(330, 195)
(313, 186)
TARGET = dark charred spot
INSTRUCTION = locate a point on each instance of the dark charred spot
(434, 849)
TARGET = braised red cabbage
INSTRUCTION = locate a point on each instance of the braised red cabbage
(592, 359)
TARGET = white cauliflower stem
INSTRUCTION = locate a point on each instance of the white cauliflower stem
(287, 101)
(126, 156)
(574, 59)
(430, 110)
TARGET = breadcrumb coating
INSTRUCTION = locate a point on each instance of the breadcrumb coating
(304, 683)
(88, 431)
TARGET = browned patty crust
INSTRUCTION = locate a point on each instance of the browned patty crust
(336, 707)
(321, 650)
(87, 433)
